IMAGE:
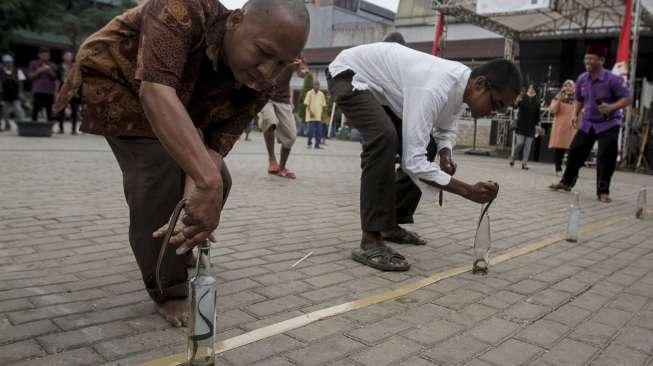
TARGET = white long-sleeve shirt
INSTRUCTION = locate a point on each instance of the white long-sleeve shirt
(425, 90)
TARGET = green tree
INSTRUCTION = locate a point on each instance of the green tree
(18, 14)
(79, 19)
(75, 19)
(308, 85)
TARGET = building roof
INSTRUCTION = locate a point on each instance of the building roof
(464, 51)
(559, 18)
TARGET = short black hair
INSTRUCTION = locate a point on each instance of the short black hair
(502, 75)
(43, 50)
(395, 37)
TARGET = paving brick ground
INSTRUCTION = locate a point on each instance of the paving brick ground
(70, 292)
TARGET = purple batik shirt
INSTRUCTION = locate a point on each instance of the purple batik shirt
(44, 83)
(607, 88)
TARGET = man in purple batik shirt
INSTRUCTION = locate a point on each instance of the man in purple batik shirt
(43, 75)
(601, 96)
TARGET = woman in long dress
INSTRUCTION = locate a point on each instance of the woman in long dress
(562, 133)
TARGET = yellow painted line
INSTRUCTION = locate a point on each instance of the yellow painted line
(303, 320)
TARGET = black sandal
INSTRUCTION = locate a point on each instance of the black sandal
(560, 186)
(384, 253)
(403, 236)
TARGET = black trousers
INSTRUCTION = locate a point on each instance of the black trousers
(74, 110)
(42, 100)
(559, 155)
(153, 185)
(386, 196)
(408, 193)
(579, 151)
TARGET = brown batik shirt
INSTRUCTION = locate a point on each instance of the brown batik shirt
(171, 42)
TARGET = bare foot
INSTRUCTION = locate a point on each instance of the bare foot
(174, 311)
(605, 198)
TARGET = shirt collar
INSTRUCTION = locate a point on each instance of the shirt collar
(601, 76)
(464, 80)
(215, 28)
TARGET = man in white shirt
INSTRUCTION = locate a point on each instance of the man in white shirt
(407, 193)
(428, 93)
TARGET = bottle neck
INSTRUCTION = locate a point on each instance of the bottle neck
(204, 259)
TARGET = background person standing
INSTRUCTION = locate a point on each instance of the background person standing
(11, 86)
(66, 67)
(528, 118)
(43, 75)
(315, 102)
(600, 96)
(276, 119)
(562, 132)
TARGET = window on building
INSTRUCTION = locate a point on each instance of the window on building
(347, 4)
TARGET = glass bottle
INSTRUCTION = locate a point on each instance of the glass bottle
(202, 302)
(573, 221)
(482, 243)
(640, 213)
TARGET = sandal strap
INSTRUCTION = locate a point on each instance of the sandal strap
(402, 235)
(385, 252)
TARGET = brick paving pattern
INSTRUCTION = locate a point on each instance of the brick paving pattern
(70, 291)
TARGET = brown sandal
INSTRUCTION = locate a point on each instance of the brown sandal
(285, 173)
(402, 236)
(385, 255)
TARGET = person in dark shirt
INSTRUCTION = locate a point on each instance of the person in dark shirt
(527, 119)
(11, 86)
(64, 69)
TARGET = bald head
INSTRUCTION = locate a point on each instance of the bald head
(275, 10)
(263, 37)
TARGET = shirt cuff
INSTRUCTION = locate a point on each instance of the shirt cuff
(442, 179)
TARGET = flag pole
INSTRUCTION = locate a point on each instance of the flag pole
(632, 73)
(438, 34)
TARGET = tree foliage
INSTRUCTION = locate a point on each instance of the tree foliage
(74, 19)
(308, 85)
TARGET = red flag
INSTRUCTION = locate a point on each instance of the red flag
(623, 48)
(438, 34)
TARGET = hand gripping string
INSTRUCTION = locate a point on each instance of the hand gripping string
(166, 239)
(475, 267)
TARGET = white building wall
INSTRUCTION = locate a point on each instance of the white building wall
(454, 32)
(335, 27)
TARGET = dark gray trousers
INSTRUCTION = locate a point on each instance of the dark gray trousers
(387, 197)
(153, 185)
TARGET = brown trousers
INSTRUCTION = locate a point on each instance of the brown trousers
(153, 185)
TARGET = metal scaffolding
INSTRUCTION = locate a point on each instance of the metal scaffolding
(562, 18)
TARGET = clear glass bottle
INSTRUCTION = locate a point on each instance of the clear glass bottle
(202, 302)
(573, 221)
(482, 243)
(640, 213)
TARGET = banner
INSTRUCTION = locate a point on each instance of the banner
(620, 67)
(506, 6)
